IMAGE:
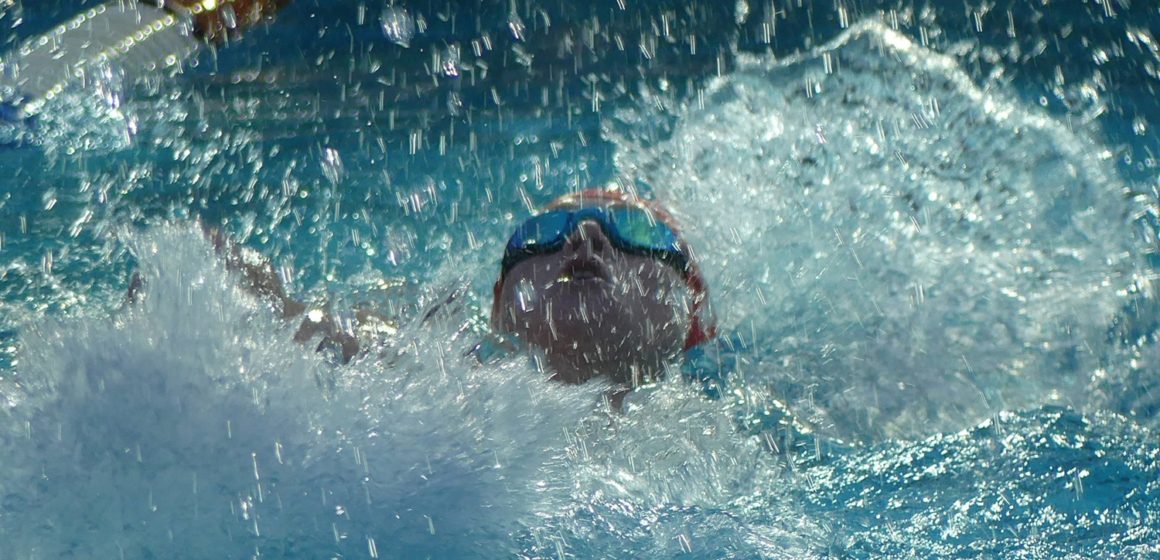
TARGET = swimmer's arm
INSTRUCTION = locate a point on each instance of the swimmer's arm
(258, 277)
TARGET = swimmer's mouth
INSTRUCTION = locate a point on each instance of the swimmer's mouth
(584, 270)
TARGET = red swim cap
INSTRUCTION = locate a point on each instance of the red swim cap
(702, 321)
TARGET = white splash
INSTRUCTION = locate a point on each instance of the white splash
(908, 252)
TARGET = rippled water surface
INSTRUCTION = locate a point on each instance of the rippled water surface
(929, 230)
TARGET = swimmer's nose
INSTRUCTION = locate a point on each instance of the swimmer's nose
(588, 239)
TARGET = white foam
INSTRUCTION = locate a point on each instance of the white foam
(192, 426)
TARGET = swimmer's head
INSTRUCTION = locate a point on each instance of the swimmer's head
(602, 283)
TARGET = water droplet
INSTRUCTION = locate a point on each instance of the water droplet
(1140, 126)
(454, 103)
(398, 25)
(516, 25)
(526, 295)
(741, 11)
(332, 166)
(523, 57)
(229, 17)
(451, 61)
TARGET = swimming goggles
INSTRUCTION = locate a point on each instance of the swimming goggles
(631, 229)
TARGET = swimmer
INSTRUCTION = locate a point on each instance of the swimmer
(602, 284)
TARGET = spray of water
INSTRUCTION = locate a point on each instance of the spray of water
(898, 258)
(907, 252)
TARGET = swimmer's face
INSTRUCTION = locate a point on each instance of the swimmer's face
(593, 309)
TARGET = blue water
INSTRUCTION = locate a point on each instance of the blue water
(929, 233)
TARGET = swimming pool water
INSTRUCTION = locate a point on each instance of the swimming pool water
(928, 230)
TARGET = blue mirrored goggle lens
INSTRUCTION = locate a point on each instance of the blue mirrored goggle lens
(630, 229)
(540, 232)
(639, 229)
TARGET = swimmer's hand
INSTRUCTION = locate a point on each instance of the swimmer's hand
(345, 338)
(334, 337)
